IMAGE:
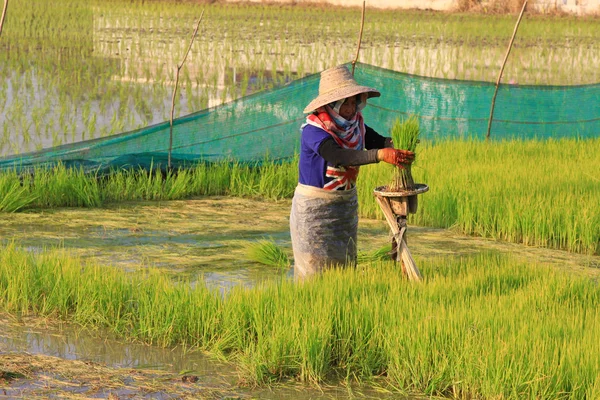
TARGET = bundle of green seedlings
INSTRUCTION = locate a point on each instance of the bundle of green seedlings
(405, 135)
(267, 252)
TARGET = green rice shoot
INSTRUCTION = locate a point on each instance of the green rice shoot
(477, 327)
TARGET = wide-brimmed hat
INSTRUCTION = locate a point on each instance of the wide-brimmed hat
(337, 83)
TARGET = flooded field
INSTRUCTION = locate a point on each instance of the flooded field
(117, 74)
(201, 238)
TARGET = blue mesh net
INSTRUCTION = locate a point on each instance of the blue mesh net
(268, 123)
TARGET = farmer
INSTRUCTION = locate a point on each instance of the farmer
(335, 142)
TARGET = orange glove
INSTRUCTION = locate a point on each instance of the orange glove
(395, 156)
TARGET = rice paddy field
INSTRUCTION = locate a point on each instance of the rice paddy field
(78, 70)
(197, 262)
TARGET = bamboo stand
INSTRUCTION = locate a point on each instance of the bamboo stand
(396, 206)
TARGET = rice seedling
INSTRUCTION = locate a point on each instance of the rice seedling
(381, 254)
(471, 192)
(55, 90)
(14, 197)
(478, 327)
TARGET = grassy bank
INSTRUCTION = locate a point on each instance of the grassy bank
(71, 187)
(541, 193)
(480, 327)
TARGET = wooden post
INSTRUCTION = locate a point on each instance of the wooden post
(175, 90)
(362, 24)
(403, 254)
(3, 15)
(487, 136)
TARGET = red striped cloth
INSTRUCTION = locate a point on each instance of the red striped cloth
(352, 137)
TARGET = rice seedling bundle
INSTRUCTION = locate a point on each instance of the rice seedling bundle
(267, 252)
(405, 136)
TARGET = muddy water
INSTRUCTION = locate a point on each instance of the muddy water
(195, 238)
(67, 344)
(200, 238)
(203, 238)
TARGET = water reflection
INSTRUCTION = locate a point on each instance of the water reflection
(101, 347)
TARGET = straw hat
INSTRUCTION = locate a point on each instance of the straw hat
(337, 83)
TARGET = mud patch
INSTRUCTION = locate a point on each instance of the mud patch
(42, 358)
(189, 237)
(42, 376)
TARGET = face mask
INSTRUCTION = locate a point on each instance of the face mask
(361, 102)
(337, 105)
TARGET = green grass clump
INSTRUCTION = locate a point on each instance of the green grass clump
(476, 327)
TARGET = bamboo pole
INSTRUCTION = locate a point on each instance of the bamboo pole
(362, 24)
(512, 39)
(3, 15)
(175, 89)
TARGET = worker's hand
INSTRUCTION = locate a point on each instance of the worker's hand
(395, 156)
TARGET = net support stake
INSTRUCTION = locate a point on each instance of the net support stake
(512, 39)
(175, 89)
(362, 24)
(3, 15)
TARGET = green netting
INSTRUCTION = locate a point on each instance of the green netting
(268, 123)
